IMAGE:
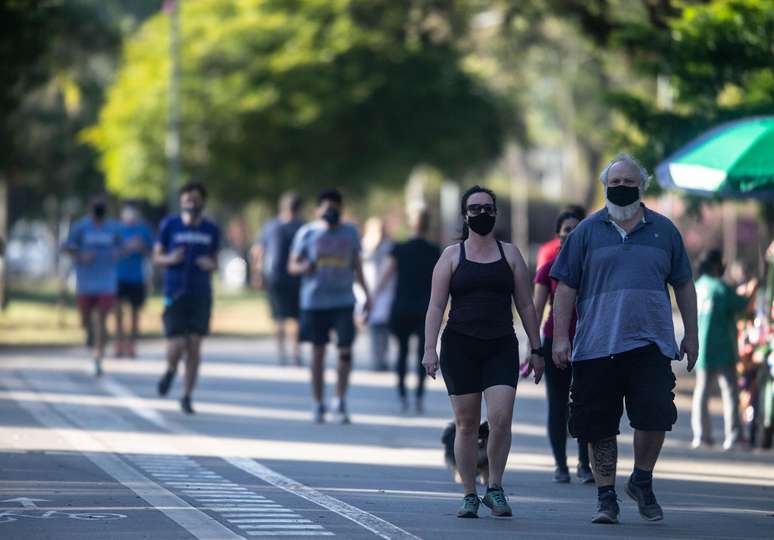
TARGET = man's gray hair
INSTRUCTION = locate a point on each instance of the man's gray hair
(627, 158)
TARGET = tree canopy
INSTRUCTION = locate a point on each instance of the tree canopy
(299, 93)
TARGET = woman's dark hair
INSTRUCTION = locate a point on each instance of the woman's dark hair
(464, 205)
(710, 262)
(567, 214)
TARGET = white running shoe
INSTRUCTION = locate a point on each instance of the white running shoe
(340, 414)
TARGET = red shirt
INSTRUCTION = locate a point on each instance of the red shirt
(543, 278)
(548, 252)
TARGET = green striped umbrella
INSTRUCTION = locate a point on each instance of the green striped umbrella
(733, 160)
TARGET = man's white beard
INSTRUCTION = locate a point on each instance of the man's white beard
(622, 213)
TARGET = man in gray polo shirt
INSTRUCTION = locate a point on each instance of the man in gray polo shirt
(616, 265)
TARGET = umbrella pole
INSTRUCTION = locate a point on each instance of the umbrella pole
(729, 231)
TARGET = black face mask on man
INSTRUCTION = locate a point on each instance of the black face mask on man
(193, 210)
(623, 195)
(99, 210)
(332, 216)
(481, 224)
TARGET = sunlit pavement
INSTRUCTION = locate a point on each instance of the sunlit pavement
(88, 458)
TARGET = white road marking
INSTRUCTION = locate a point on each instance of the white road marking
(375, 524)
(255, 512)
(283, 526)
(259, 519)
(75, 431)
(177, 484)
(289, 533)
(255, 521)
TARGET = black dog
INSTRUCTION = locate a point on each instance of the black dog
(482, 461)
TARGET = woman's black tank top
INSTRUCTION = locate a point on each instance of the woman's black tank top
(481, 295)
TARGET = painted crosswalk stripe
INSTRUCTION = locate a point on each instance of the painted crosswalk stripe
(257, 512)
(179, 483)
(289, 533)
(80, 430)
(281, 526)
(260, 518)
(229, 503)
(254, 521)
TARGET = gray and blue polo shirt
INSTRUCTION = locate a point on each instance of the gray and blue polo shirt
(623, 301)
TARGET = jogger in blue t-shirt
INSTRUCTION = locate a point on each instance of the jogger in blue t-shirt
(187, 248)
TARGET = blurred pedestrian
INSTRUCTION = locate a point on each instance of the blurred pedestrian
(377, 247)
(617, 264)
(270, 254)
(138, 243)
(549, 250)
(719, 307)
(479, 350)
(327, 254)
(412, 263)
(558, 380)
(94, 243)
(187, 249)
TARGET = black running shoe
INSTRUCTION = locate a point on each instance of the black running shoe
(185, 405)
(165, 382)
(646, 500)
(607, 509)
(561, 475)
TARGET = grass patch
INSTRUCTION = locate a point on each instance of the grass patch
(37, 316)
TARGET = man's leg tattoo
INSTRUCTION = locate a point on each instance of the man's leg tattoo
(604, 457)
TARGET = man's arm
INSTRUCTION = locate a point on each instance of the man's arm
(564, 303)
(685, 294)
(167, 259)
(357, 267)
(256, 258)
(387, 272)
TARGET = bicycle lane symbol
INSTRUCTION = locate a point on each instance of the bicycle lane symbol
(27, 503)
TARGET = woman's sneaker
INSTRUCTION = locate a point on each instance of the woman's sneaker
(561, 475)
(469, 507)
(495, 499)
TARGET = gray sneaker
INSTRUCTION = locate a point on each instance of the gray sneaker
(98, 367)
(646, 501)
(495, 499)
(469, 507)
(584, 474)
(607, 509)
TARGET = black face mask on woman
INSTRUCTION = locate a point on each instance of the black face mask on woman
(481, 224)
(623, 195)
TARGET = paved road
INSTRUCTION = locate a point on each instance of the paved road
(81, 458)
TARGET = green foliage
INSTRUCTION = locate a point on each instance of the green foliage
(302, 93)
(717, 56)
(55, 59)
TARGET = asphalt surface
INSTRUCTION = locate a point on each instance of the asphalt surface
(108, 458)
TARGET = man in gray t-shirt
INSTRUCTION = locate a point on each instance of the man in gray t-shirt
(326, 253)
(616, 266)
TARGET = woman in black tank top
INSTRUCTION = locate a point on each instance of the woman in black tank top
(479, 351)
